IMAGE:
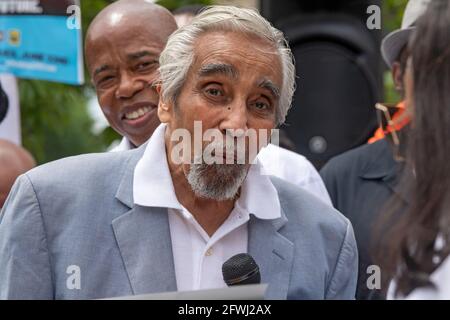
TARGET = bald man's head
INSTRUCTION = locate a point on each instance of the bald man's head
(14, 161)
(130, 17)
(122, 49)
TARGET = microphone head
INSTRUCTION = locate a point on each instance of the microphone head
(241, 269)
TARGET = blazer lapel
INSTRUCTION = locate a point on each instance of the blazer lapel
(143, 238)
(273, 253)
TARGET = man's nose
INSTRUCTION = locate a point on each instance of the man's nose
(236, 118)
(129, 86)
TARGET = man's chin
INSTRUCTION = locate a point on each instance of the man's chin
(217, 182)
(138, 141)
(139, 136)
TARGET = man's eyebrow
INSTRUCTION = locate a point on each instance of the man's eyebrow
(140, 54)
(269, 85)
(101, 69)
(218, 68)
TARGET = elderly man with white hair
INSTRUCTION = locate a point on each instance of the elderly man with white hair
(166, 216)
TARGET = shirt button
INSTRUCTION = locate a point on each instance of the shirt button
(209, 252)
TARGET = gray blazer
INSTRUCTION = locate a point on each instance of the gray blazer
(76, 217)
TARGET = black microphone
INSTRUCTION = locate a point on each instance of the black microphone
(241, 269)
(3, 104)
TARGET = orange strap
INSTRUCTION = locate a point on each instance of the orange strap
(380, 134)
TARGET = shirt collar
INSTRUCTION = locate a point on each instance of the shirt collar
(153, 186)
(258, 194)
(124, 145)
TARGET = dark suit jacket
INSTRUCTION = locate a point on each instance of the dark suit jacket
(360, 183)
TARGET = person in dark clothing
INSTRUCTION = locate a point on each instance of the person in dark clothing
(361, 181)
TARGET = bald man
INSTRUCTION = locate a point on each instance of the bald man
(123, 44)
(14, 161)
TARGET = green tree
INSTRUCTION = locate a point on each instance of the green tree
(393, 14)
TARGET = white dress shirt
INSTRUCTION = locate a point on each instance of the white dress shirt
(440, 278)
(124, 145)
(198, 258)
(284, 164)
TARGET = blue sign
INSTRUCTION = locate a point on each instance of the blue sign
(42, 43)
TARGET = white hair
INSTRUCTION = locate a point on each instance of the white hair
(178, 55)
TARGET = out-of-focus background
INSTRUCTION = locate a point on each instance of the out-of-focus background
(60, 120)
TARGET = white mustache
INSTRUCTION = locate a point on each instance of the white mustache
(229, 149)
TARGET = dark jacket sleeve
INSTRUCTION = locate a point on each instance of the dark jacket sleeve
(330, 177)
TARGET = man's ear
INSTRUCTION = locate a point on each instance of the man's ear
(164, 108)
(397, 76)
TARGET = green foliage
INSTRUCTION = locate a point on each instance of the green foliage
(54, 120)
(174, 4)
(392, 14)
(390, 94)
